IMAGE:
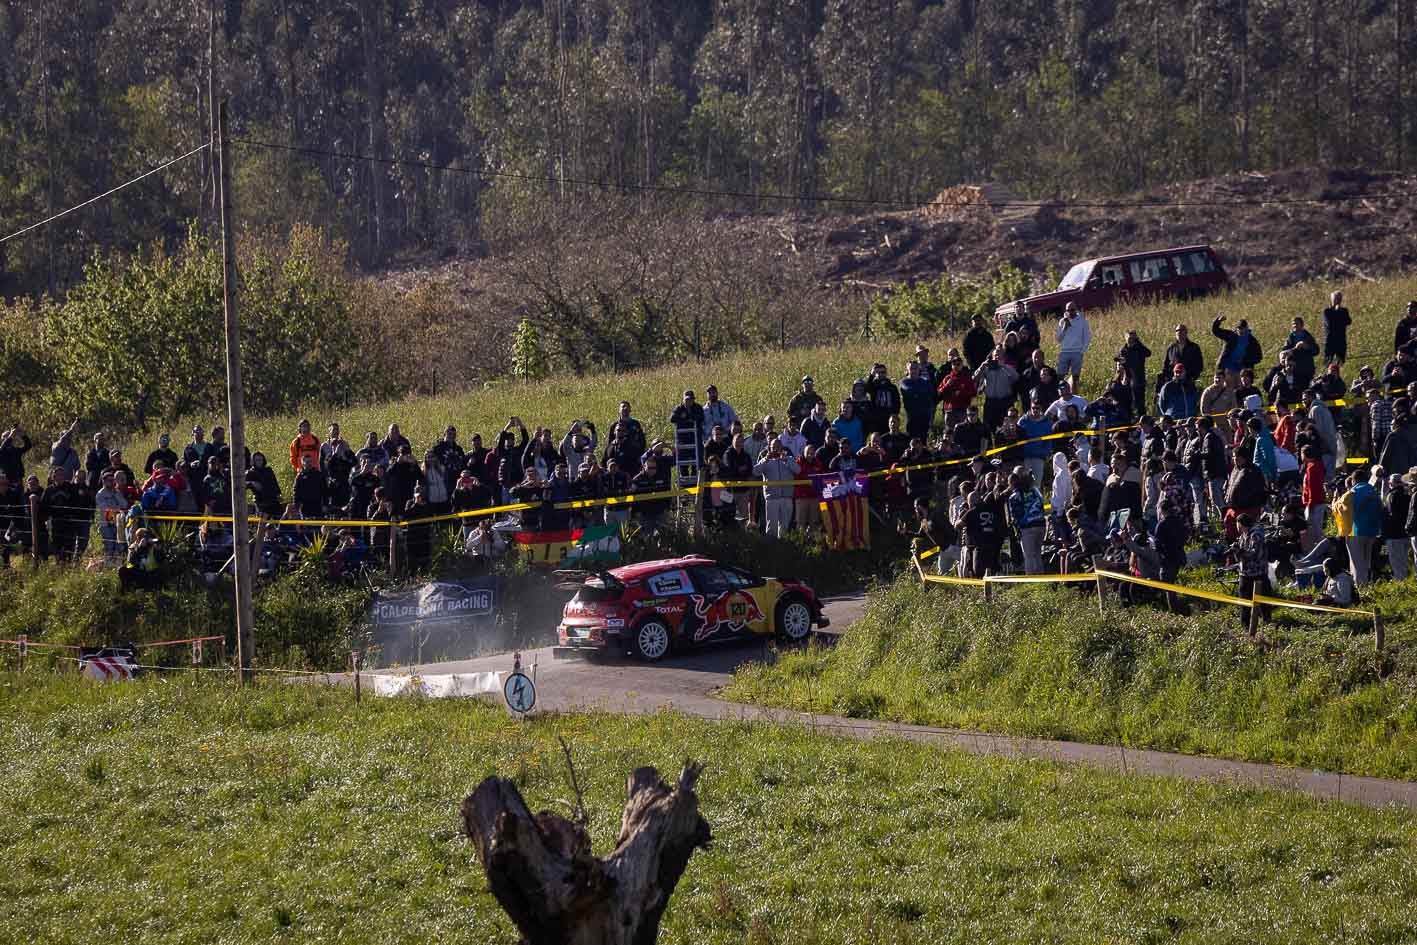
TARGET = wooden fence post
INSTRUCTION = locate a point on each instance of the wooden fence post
(1097, 563)
(34, 529)
(988, 588)
(1254, 626)
(393, 549)
(1379, 634)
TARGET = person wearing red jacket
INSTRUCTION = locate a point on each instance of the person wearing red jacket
(1312, 494)
(1284, 430)
(957, 391)
(805, 500)
(304, 444)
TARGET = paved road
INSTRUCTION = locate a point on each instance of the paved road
(689, 682)
(684, 681)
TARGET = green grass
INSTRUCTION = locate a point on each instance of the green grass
(760, 382)
(1044, 662)
(184, 811)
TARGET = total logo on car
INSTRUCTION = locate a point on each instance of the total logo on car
(653, 607)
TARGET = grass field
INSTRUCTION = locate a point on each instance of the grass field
(1043, 661)
(184, 811)
(760, 382)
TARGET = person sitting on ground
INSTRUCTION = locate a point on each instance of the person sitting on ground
(1338, 589)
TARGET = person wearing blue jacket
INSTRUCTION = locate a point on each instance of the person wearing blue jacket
(1032, 425)
(1178, 398)
(848, 426)
(1241, 349)
(1367, 526)
(1264, 449)
(917, 396)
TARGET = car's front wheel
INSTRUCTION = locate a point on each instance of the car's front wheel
(794, 620)
(652, 640)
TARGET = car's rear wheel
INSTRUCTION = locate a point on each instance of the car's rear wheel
(794, 620)
(652, 640)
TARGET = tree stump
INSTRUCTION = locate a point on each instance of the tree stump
(542, 872)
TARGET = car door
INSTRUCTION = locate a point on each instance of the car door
(722, 607)
(764, 594)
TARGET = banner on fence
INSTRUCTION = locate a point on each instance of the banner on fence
(438, 604)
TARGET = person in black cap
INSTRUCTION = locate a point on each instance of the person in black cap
(804, 400)
(1242, 349)
(689, 413)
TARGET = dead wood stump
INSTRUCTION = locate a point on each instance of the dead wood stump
(541, 870)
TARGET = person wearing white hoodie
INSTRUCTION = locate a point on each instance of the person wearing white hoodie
(1074, 336)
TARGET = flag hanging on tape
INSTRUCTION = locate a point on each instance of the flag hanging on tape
(846, 514)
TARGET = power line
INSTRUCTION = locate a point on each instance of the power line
(106, 193)
(815, 198)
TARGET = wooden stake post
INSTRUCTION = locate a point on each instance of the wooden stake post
(245, 612)
(1097, 563)
(34, 529)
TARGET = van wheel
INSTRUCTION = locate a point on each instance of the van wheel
(794, 620)
(652, 641)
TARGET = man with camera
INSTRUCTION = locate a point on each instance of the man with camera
(1074, 336)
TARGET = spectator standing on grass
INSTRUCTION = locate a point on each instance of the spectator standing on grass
(1396, 502)
(792, 439)
(402, 477)
(1058, 409)
(1367, 526)
(978, 343)
(737, 465)
(1324, 428)
(1313, 495)
(1074, 336)
(578, 445)
(163, 454)
(1133, 355)
(1025, 513)
(1285, 428)
(1406, 331)
(996, 380)
(1336, 322)
(1217, 398)
(776, 468)
(806, 400)
(1182, 351)
(917, 396)
(393, 442)
(884, 397)
(308, 492)
(1033, 425)
(805, 511)
(109, 504)
(1252, 553)
(265, 488)
(689, 413)
(927, 367)
(1303, 348)
(14, 444)
(956, 390)
(62, 453)
(450, 456)
(305, 444)
(1178, 398)
(717, 412)
(1240, 350)
(1245, 493)
(632, 431)
(848, 426)
(435, 485)
(372, 451)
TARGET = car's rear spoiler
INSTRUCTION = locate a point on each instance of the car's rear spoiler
(571, 579)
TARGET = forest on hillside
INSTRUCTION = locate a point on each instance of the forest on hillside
(429, 128)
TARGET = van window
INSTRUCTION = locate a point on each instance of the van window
(1151, 269)
(1076, 277)
(1193, 264)
(1112, 274)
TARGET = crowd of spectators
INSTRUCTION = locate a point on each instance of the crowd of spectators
(993, 454)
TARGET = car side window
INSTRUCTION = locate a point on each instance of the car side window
(1112, 274)
(711, 581)
(740, 579)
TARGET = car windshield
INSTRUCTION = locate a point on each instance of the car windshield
(1077, 276)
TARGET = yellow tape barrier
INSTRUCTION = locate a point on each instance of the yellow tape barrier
(1302, 605)
(1040, 579)
(1177, 589)
(946, 579)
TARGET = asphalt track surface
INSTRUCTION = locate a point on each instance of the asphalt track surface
(689, 683)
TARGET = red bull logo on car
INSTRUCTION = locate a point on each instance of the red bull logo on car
(730, 612)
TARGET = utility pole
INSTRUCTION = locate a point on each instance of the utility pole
(241, 561)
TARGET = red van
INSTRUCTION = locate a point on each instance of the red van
(1183, 272)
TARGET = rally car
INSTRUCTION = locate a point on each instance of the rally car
(653, 607)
